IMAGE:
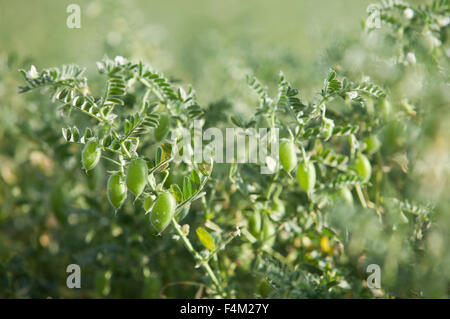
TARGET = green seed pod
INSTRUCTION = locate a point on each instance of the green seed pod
(137, 176)
(90, 155)
(277, 209)
(327, 129)
(58, 203)
(306, 176)
(267, 231)
(408, 107)
(288, 156)
(385, 107)
(116, 190)
(254, 224)
(346, 195)
(163, 127)
(363, 167)
(148, 202)
(163, 211)
(373, 144)
(278, 206)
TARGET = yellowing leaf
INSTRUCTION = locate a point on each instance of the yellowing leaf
(325, 244)
(205, 238)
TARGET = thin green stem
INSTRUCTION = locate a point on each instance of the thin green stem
(89, 114)
(223, 244)
(361, 196)
(163, 163)
(105, 94)
(152, 87)
(204, 264)
(87, 97)
(322, 101)
(305, 157)
(194, 196)
(270, 188)
(145, 98)
(111, 160)
(122, 145)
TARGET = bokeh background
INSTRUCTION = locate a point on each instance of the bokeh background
(49, 217)
(188, 40)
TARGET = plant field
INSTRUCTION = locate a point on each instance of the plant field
(233, 149)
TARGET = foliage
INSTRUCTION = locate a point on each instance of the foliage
(383, 98)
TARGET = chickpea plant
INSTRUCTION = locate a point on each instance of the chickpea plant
(115, 137)
(325, 208)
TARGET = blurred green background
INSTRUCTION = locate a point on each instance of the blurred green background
(186, 39)
(49, 218)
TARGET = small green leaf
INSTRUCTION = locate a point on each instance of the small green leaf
(237, 121)
(205, 169)
(158, 155)
(187, 188)
(75, 134)
(107, 141)
(205, 238)
(114, 100)
(88, 133)
(195, 177)
(176, 191)
(66, 133)
(151, 181)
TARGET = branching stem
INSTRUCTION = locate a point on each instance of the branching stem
(204, 264)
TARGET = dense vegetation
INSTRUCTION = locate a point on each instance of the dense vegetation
(362, 176)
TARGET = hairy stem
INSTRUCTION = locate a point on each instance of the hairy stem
(122, 145)
(204, 264)
(361, 196)
(152, 87)
(111, 160)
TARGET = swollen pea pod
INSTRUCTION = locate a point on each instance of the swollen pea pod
(386, 108)
(373, 144)
(277, 209)
(363, 167)
(288, 156)
(137, 176)
(148, 202)
(327, 129)
(58, 202)
(90, 155)
(163, 127)
(306, 176)
(346, 195)
(116, 190)
(278, 206)
(261, 227)
(254, 224)
(267, 234)
(163, 211)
